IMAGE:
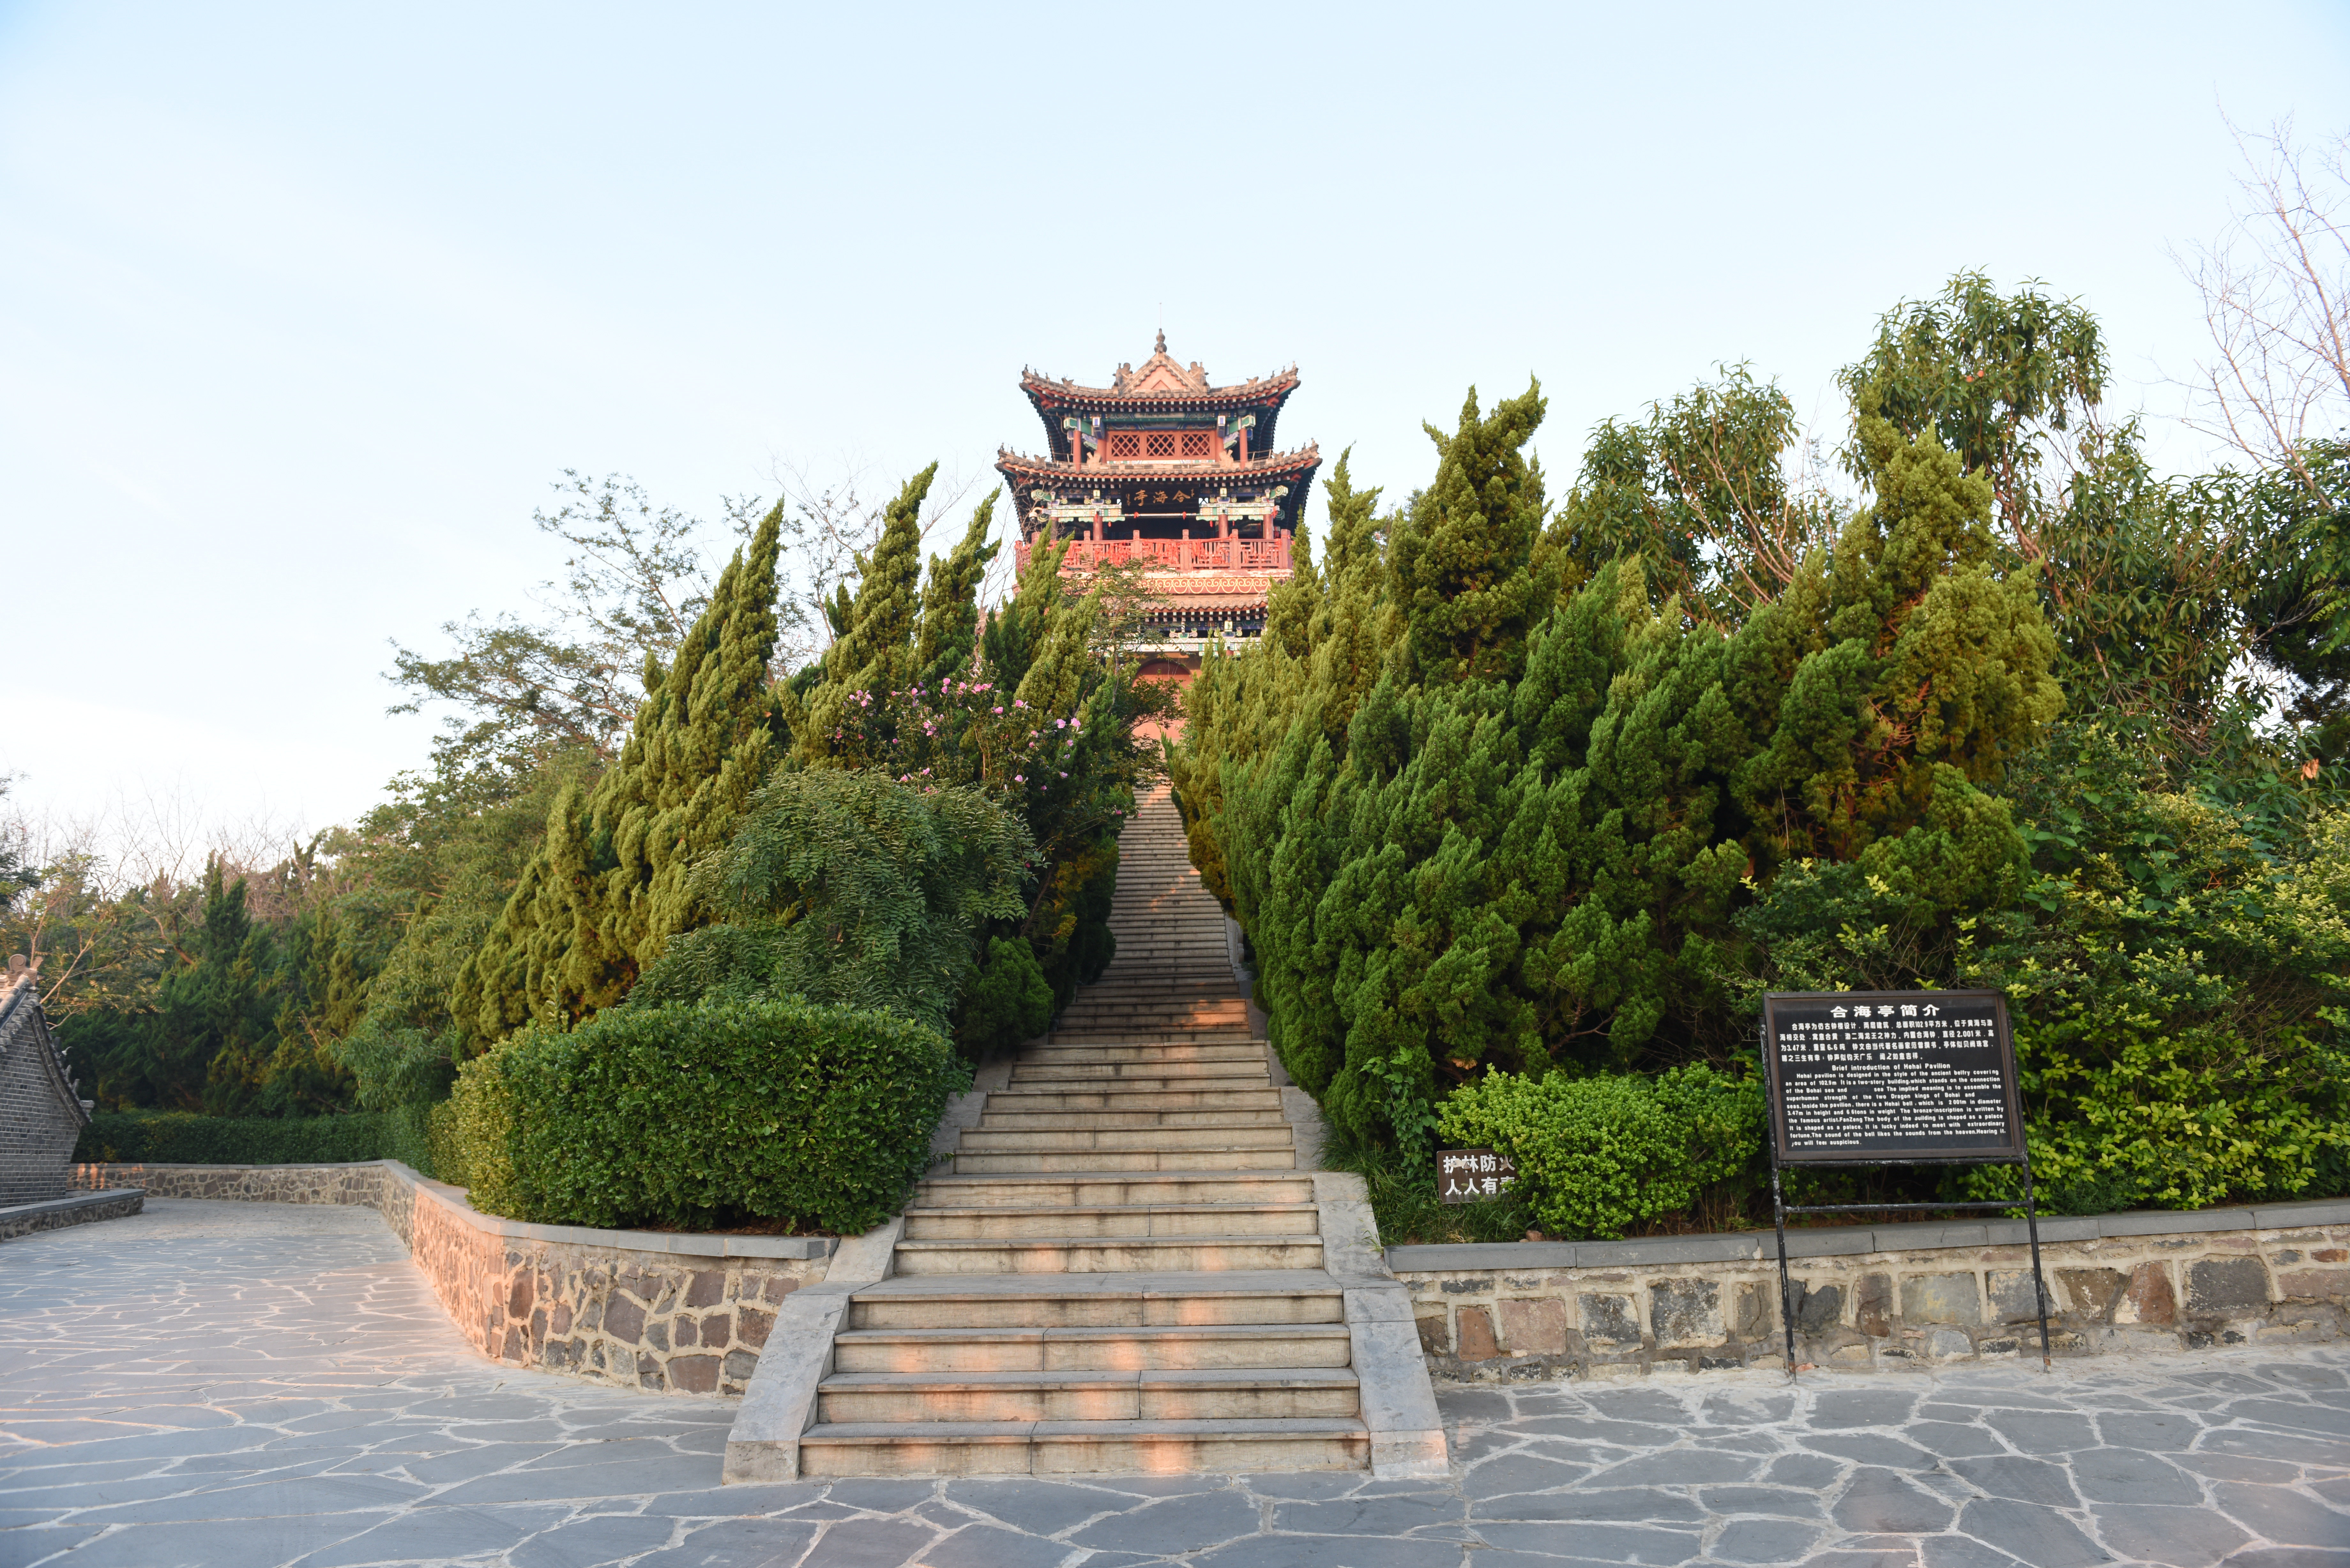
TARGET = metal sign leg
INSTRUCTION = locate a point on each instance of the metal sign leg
(1786, 1290)
(2039, 1286)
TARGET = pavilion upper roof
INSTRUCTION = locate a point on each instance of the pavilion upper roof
(1162, 385)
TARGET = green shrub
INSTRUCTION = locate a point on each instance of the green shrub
(2121, 1115)
(184, 1138)
(848, 887)
(1598, 1156)
(691, 1116)
(471, 1135)
(1009, 1000)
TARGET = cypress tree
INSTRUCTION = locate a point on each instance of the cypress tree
(947, 644)
(608, 886)
(1463, 560)
(1482, 823)
(873, 652)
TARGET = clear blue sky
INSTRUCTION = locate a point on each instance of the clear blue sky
(302, 307)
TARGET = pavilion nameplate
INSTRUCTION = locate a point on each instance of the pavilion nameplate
(1473, 1175)
(1889, 1076)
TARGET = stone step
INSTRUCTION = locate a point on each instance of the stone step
(997, 1221)
(1227, 1077)
(1062, 1052)
(1082, 1447)
(1266, 1394)
(995, 1120)
(1100, 1300)
(1106, 1190)
(1061, 1140)
(1203, 1346)
(1025, 1099)
(1147, 1021)
(1106, 1254)
(1138, 1038)
(1217, 989)
(1031, 1161)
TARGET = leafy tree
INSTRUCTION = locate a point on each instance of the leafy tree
(634, 587)
(1999, 380)
(849, 887)
(1698, 491)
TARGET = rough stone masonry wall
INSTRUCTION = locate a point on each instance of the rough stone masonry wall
(1882, 1297)
(77, 1209)
(686, 1314)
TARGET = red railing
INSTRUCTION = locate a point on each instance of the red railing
(1173, 555)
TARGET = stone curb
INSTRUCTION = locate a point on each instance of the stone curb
(79, 1209)
(780, 1404)
(1853, 1241)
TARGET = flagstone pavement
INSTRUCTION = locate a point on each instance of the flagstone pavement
(249, 1384)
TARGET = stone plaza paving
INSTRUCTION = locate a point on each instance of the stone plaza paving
(245, 1386)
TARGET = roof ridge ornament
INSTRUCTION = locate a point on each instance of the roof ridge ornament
(1163, 342)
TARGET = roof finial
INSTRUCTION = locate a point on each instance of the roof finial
(1162, 340)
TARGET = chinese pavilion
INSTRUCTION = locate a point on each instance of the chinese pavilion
(1161, 467)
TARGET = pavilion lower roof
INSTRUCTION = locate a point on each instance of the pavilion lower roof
(1189, 593)
(1015, 466)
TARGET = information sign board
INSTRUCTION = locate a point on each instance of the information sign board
(1473, 1175)
(1891, 1077)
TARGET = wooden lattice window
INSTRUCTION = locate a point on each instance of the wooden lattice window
(1159, 444)
(1127, 444)
(1198, 443)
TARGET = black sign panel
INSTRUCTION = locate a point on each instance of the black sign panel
(1473, 1175)
(1892, 1075)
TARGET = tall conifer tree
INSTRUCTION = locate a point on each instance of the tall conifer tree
(608, 886)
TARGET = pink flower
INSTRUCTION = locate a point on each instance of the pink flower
(1019, 778)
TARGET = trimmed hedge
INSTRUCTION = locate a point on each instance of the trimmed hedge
(184, 1138)
(1601, 1155)
(817, 1115)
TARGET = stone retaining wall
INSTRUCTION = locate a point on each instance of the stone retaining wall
(80, 1208)
(644, 1309)
(1882, 1297)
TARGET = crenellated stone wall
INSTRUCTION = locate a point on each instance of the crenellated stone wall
(644, 1309)
(1883, 1296)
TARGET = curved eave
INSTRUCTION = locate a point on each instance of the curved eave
(1014, 465)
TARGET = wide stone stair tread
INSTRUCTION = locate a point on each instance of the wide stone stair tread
(1143, 1254)
(1172, 1116)
(1216, 1346)
(1141, 1292)
(1082, 1448)
(1071, 1222)
(1288, 1376)
(1114, 1189)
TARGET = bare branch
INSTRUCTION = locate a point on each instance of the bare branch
(2276, 302)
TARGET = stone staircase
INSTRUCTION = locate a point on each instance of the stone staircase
(1124, 1269)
